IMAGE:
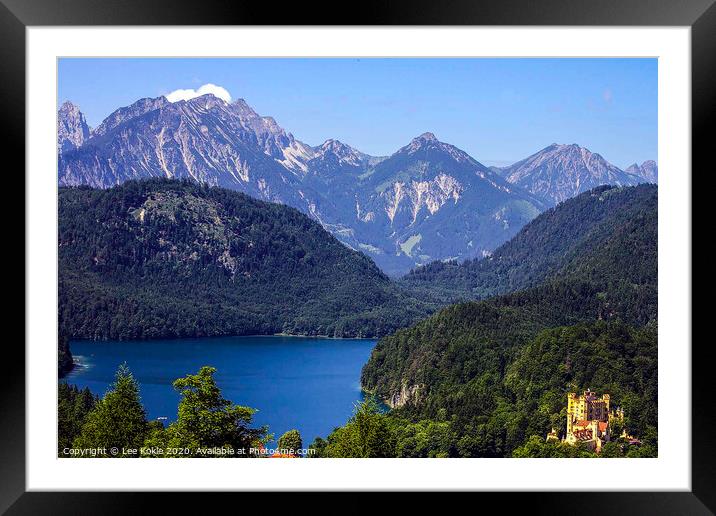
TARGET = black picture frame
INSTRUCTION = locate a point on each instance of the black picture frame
(16, 15)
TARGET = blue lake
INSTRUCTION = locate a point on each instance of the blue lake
(304, 383)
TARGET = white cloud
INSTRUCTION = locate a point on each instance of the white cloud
(215, 90)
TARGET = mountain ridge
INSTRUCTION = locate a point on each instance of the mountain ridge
(391, 208)
(72, 128)
(546, 246)
(561, 171)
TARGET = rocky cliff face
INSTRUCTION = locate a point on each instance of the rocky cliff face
(72, 128)
(560, 172)
(407, 394)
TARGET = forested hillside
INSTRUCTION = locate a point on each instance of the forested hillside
(591, 236)
(164, 258)
(483, 366)
(505, 406)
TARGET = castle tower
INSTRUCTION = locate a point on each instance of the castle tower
(588, 419)
(572, 402)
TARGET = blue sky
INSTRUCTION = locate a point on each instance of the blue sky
(498, 110)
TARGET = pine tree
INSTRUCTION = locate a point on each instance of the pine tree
(118, 420)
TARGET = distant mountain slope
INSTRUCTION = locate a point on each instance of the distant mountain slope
(648, 171)
(558, 241)
(394, 209)
(204, 139)
(430, 200)
(165, 258)
(559, 172)
(610, 273)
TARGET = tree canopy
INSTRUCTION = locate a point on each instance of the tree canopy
(206, 420)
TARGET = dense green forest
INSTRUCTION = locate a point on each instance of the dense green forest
(615, 277)
(73, 405)
(474, 365)
(64, 355)
(162, 258)
(504, 407)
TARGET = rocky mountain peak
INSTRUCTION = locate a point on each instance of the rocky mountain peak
(426, 137)
(424, 141)
(68, 107)
(72, 128)
(124, 114)
(561, 171)
(337, 147)
(428, 142)
(241, 108)
(648, 171)
(330, 144)
(206, 101)
(339, 153)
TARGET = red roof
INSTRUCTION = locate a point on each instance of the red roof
(583, 435)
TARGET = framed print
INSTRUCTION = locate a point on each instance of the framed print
(434, 250)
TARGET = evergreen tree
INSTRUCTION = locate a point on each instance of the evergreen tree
(73, 405)
(537, 447)
(118, 420)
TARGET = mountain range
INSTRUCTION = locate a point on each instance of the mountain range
(428, 201)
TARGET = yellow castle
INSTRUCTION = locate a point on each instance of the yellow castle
(588, 418)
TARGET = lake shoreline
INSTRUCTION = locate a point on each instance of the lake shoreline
(63, 372)
(251, 336)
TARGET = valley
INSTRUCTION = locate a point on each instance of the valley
(581, 275)
(224, 284)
